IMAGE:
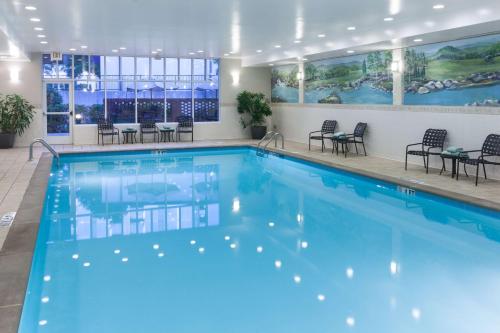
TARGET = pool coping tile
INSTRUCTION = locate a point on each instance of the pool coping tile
(17, 252)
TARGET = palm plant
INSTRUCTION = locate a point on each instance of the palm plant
(16, 114)
(253, 108)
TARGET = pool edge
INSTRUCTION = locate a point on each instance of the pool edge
(17, 252)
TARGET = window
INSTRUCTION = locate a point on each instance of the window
(89, 102)
(131, 89)
(151, 101)
(120, 102)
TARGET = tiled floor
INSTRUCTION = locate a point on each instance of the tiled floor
(16, 170)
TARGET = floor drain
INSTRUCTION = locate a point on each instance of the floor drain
(7, 219)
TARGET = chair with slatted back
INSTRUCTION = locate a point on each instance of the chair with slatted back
(356, 137)
(149, 127)
(106, 128)
(491, 148)
(326, 133)
(185, 125)
(433, 140)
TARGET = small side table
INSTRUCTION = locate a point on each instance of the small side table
(454, 159)
(129, 135)
(166, 134)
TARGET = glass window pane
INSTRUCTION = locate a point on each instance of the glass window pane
(142, 69)
(185, 66)
(95, 66)
(199, 68)
(212, 67)
(157, 69)
(57, 97)
(112, 68)
(171, 66)
(120, 101)
(57, 124)
(81, 67)
(206, 101)
(66, 67)
(178, 100)
(89, 102)
(150, 101)
(49, 67)
(127, 68)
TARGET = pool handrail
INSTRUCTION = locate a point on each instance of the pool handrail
(46, 145)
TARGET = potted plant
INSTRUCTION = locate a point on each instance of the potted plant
(16, 114)
(254, 108)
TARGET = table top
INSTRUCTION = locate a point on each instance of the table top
(165, 129)
(129, 130)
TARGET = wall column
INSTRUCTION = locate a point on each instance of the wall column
(301, 82)
(398, 77)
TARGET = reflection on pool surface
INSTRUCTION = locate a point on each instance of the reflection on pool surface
(226, 241)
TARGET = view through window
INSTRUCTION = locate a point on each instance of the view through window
(134, 89)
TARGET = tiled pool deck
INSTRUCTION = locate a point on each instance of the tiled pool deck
(23, 184)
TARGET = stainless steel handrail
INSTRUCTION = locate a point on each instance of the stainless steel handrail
(268, 136)
(46, 145)
(275, 136)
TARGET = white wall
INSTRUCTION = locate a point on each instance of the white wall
(391, 128)
(30, 87)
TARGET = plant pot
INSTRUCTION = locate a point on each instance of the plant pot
(258, 132)
(7, 140)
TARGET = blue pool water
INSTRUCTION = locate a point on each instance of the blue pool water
(225, 241)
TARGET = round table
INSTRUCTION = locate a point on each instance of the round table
(129, 135)
(166, 134)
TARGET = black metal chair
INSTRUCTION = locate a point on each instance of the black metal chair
(491, 148)
(149, 127)
(185, 125)
(326, 131)
(433, 139)
(356, 137)
(106, 128)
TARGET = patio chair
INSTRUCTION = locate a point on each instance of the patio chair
(185, 125)
(433, 139)
(149, 127)
(355, 137)
(106, 128)
(491, 148)
(326, 131)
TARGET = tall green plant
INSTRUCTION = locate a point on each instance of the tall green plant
(16, 114)
(253, 108)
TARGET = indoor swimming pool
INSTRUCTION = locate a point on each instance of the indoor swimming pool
(226, 241)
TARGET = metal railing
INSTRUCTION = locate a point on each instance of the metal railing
(268, 138)
(46, 145)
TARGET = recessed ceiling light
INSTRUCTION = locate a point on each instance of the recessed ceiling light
(259, 51)
(200, 51)
(159, 50)
(271, 64)
(84, 46)
(418, 40)
(43, 42)
(72, 49)
(114, 50)
(351, 28)
(232, 52)
(30, 7)
(297, 41)
(34, 19)
(389, 19)
(438, 6)
(350, 51)
(154, 52)
(277, 46)
(41, 36)
(123, 48)
(191, 53)
(226, 54)
(38, 29)
(321, 35)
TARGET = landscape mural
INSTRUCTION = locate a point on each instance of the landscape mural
(464, 72)
(285, 85)
(358, 79)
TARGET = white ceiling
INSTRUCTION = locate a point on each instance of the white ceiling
(181, 27)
